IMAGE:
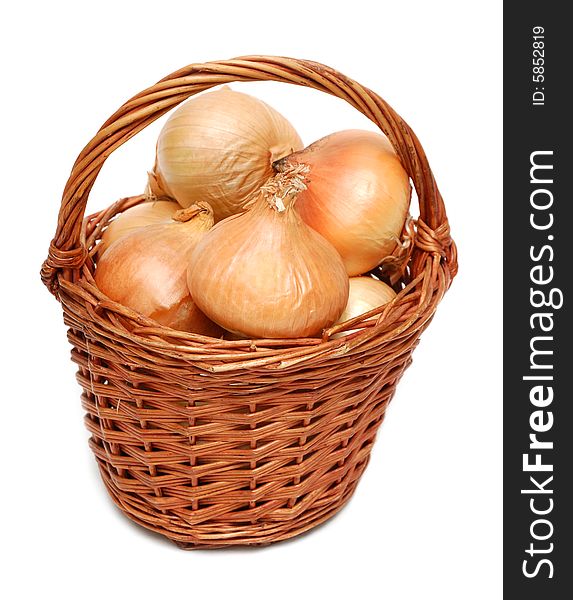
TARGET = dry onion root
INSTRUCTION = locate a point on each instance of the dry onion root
(141, 215)
(357, 195)
(219, 147)
(146, 270)
(266, 274)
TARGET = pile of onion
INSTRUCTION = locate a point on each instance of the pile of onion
(250, 234)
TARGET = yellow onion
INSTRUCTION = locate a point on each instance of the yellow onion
(146, 270)
(357, 195)
(219, 147)
(140, 215)
(266, 274)
(365, 294)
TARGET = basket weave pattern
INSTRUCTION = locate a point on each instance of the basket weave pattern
(214, 443)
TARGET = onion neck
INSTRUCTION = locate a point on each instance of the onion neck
(156, 188)
(199, 208)
(283, 188)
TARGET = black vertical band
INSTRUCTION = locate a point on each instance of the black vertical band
(538, 335)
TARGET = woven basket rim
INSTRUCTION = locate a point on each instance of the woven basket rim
(68, 270)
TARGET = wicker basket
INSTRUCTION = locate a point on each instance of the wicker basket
(215, 443)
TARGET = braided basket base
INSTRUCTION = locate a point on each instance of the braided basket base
(257, 533)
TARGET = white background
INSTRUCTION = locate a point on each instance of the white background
(425, 521)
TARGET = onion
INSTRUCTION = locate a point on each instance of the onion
(219, 147)
(266, 274)
(141, 215)
(357, 195)
(364, 295)
(146, 270)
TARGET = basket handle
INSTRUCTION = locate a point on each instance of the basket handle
(67, 253)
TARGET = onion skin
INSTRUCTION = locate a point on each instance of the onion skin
(357, 195)
(365, 294)
(219, 147)
(265, 274)
(146, 270)
(141, 215)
